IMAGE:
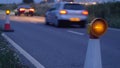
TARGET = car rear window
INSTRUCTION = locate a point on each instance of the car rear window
(24, 6)
(73, 7)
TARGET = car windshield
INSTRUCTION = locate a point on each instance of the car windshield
(73, 7)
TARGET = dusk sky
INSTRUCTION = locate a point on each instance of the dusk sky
(37, 1)
(14, 1)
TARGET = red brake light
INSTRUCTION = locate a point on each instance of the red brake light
(32, 9)
(85, 12)
(22, 9)
(63, 12)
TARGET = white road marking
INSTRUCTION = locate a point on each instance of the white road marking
(114, 29)
(23, 52)
(78, 33)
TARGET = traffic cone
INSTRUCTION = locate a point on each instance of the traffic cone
(93, 56)
(7, 26)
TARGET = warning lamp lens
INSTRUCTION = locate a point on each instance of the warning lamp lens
(85, 12)
(63, 12)
(7, 12)
(99, 28)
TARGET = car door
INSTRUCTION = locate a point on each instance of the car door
(55, 12)
(49, 14)
(52, 13)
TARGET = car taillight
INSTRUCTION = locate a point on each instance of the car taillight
(22, 9)
(85, 12)
(63, 12)
(32, 10)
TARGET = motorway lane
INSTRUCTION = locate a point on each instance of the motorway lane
(54, 48)
(111, 49)
(61, 48)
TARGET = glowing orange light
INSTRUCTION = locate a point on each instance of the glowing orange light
(7, 12)
(98, 27)
(74, 19)
(63, 12)
(85, 12)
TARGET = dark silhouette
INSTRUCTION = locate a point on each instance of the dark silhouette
(28, 1)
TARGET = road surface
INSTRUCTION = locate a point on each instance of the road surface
(61, 47)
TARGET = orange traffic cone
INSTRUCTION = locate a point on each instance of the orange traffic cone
(93, 56)
(7, 27)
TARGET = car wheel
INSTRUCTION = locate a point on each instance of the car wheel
(27, 14)
(31, 14)
(47, 23)
(15, 14)
(83, 24)
(58, 24)
(18, 14)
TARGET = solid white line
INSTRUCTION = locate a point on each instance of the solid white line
(23, 52)
(114, 29)
(76, 32)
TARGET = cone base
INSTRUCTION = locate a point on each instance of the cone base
(8, 30)
(7, 26)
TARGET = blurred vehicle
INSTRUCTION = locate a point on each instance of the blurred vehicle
(67, 13)
(24, 9)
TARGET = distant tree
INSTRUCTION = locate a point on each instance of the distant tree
(28, 1)
(68, 0)
(42, 2)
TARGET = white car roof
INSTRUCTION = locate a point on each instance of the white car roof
(68, 3)
(23, 6)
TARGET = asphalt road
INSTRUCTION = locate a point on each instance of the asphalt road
(61, 47)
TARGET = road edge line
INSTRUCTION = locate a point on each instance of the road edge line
(114, 29)
(78, 33)
(23, 52)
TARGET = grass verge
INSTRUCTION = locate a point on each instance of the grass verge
(8, 57)
(108, 11)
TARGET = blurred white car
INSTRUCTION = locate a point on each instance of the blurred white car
(67, 13)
